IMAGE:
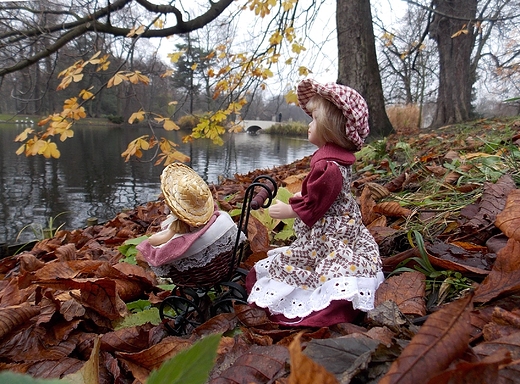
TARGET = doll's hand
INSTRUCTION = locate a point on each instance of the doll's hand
(281, 210)
(298, 194)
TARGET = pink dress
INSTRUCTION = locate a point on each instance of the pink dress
(333, 267)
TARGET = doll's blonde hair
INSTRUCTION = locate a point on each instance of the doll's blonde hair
(330, 122)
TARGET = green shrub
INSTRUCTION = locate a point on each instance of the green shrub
(294, 128)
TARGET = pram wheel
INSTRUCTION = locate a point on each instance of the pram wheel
(229, 293)
(180, 315)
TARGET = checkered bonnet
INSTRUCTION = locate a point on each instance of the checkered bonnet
(351, 103)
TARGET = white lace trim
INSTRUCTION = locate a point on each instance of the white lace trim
(225, 243)
(294, 302)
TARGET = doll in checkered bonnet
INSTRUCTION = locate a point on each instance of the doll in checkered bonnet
(331, 271)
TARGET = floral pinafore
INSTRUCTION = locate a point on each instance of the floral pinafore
(335, 259)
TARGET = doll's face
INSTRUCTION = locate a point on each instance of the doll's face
(314, 137)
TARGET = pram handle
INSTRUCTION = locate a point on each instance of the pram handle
(265, 193)
(259, 199)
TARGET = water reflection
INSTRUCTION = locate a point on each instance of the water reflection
(91, 179)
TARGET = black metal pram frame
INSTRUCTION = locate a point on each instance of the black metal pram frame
(193, 302)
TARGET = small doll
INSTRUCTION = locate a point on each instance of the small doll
(195, 232)
(331, 271)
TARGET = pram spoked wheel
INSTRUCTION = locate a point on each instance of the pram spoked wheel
(180, 315)
(229, 292)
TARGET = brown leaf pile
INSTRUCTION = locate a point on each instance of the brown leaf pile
(60, 302)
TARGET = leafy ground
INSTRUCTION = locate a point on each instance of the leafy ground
(444, 208)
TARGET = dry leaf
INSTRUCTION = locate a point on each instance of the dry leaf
(504, 278)
(304, 370)
(443, 338)
(367, 203)
(406, 290)
(509, 219)
(393, 209)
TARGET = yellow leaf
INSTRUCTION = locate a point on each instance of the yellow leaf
(94, 58)
(23, 136)
(159, 23)
(117, 79)
(67, 133)
(168, 73)
(291, 97)
(139, 116)
(297, 48)
(137, 76)
(169, 125)
(275, 38)
(194, 66)
(49, 150)
(85, 94)
(174, 57)
(303, 71)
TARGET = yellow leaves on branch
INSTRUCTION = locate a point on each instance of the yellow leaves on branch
(262, 8)
(137, 116)
(36, 146)
(167, 124)
(463, 31)
(133, 77)
(136, 146)
(71, 109)
(169, 154)
(136, 31)
(74, 72)
(175, 56)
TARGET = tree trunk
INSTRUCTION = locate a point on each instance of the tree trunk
(456, 77)
(357, 61)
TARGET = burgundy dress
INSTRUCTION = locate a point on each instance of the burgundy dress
(333, 268)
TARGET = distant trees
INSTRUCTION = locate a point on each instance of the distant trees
(464, 32)
(97, 55)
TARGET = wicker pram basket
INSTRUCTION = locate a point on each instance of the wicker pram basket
(220, 269)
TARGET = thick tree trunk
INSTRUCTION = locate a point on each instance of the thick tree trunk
(357, 61)
(456, 77)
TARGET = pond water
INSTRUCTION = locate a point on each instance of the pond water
(91, 179)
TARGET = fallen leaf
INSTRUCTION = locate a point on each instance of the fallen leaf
(509, 219)
(304, 370)
(442, 339)
(406, 290)
(504, 278)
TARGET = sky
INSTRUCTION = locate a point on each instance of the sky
(321, 54)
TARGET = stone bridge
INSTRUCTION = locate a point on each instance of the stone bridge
(253, 126)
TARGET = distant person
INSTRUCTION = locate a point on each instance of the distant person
(331, 271)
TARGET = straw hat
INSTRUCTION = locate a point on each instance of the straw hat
(187, 194)
(351, 103)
